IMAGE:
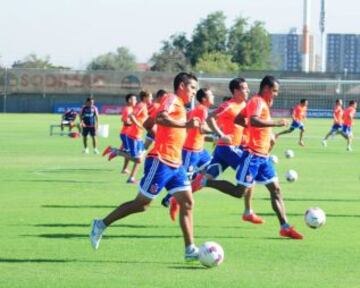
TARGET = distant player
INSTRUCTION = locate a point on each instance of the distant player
(195, 158)
(149, 123)
(89, 117)
(68, 120)
(135, 133)
(163, 167)
(254, 165)
(298, 115)
(348, 117)
(336, 128)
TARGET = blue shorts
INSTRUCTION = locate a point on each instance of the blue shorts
(125, 143)
(347, 130)
(136, 147)
(297, 124)
(255, 168)
(149, 137)
(195, 161)
(223, 157)
(336, 128)
(158, 175)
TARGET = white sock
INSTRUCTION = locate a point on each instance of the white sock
(190, 248)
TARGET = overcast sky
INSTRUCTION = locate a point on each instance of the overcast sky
(72, 32)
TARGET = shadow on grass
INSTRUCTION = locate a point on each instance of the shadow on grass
(69, 181)
(9, 260)
(72, 170)
(131, 236)
(188, 267)
(314, 200)
(79, 206)
(327, 215)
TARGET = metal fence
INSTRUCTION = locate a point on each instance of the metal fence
(34, 90)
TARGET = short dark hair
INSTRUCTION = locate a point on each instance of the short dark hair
(201, 94)
(337, 101)
(352, 102)
(302, 101)
(235, 84)
(183, 77)
(268, 81)
(128, 96)
(89, 99)
(160, 93)
(143, 94)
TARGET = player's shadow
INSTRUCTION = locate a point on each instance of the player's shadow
(188, 267)
(72, 170)
(135, 226)
(327, 215)
(66, 181)
(78, 206)
(314, 200)
(9, 260)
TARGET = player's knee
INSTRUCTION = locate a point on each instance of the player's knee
(276, 192)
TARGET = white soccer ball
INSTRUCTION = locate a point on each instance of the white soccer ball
(315, 217)
(289, 154)
(211, 254)
(274, 159)
(291, 176)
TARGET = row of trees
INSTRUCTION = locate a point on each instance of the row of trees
(213, 48)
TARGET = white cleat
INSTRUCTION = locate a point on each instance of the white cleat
(349, 148)
(96, 151)
(193, 255)
(324, 143)
(95, 234)
(86, 151)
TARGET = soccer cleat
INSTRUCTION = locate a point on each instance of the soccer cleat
(290, 232)
(193, 255)
(324, 143)
(106, 151)
(96, 151)
(198, 183)
(165, 202)
(349, 148)
(95, 234)
(112, 155)
(301, 143)
(125, 171)
(253, 218)
(86, 151)
(132, 181)
(174, 208)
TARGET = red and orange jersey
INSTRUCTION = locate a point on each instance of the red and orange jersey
(338, 115)
(299, 112)
(169, 141)
(226, 115)
(349, 115)
(150, 107)
(154, 110)
(125, 118)
(259, 138)
(245, 137)
(195, 139)
(140, 112)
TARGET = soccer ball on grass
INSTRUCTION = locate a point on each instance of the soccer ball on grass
(211, 254)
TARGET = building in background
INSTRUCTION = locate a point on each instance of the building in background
(343, 53)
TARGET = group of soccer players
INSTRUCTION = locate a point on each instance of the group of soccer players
(179, 162)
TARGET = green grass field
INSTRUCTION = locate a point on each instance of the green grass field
(50, 192)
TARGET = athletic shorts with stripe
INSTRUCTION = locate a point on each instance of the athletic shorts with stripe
(255, 168)
(158, 175)
(223, 157)
(125, 144)
(136, 147)
(297, 124)
(195, 161)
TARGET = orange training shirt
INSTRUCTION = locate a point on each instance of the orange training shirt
(338, 115)
(124, 118)
(195, 140)
(299, 112)
(349, 115)
(140, 112)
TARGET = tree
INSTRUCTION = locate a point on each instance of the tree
(122, 59)
(33, 61)
(172, 55)
(216, 63)
(209, 36)
(249, 47)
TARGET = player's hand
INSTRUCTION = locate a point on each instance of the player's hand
(193, 123)
(282, 123)
(226, 139)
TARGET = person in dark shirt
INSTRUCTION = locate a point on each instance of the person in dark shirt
(68, 120)
(89, 117)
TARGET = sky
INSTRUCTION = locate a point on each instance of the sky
(72, 32)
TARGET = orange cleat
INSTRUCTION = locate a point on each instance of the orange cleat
(290, 233)
(253, 218)
(174, 208)
(112, 155)
(198, 183)
(106, 151)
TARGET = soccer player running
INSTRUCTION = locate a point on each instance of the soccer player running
(194, 157)
(149, 123)
(348, 117)
(298, 115)
(135, 143)
(89, 121)
(336, 128)
(163, 166)
(254, 163)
